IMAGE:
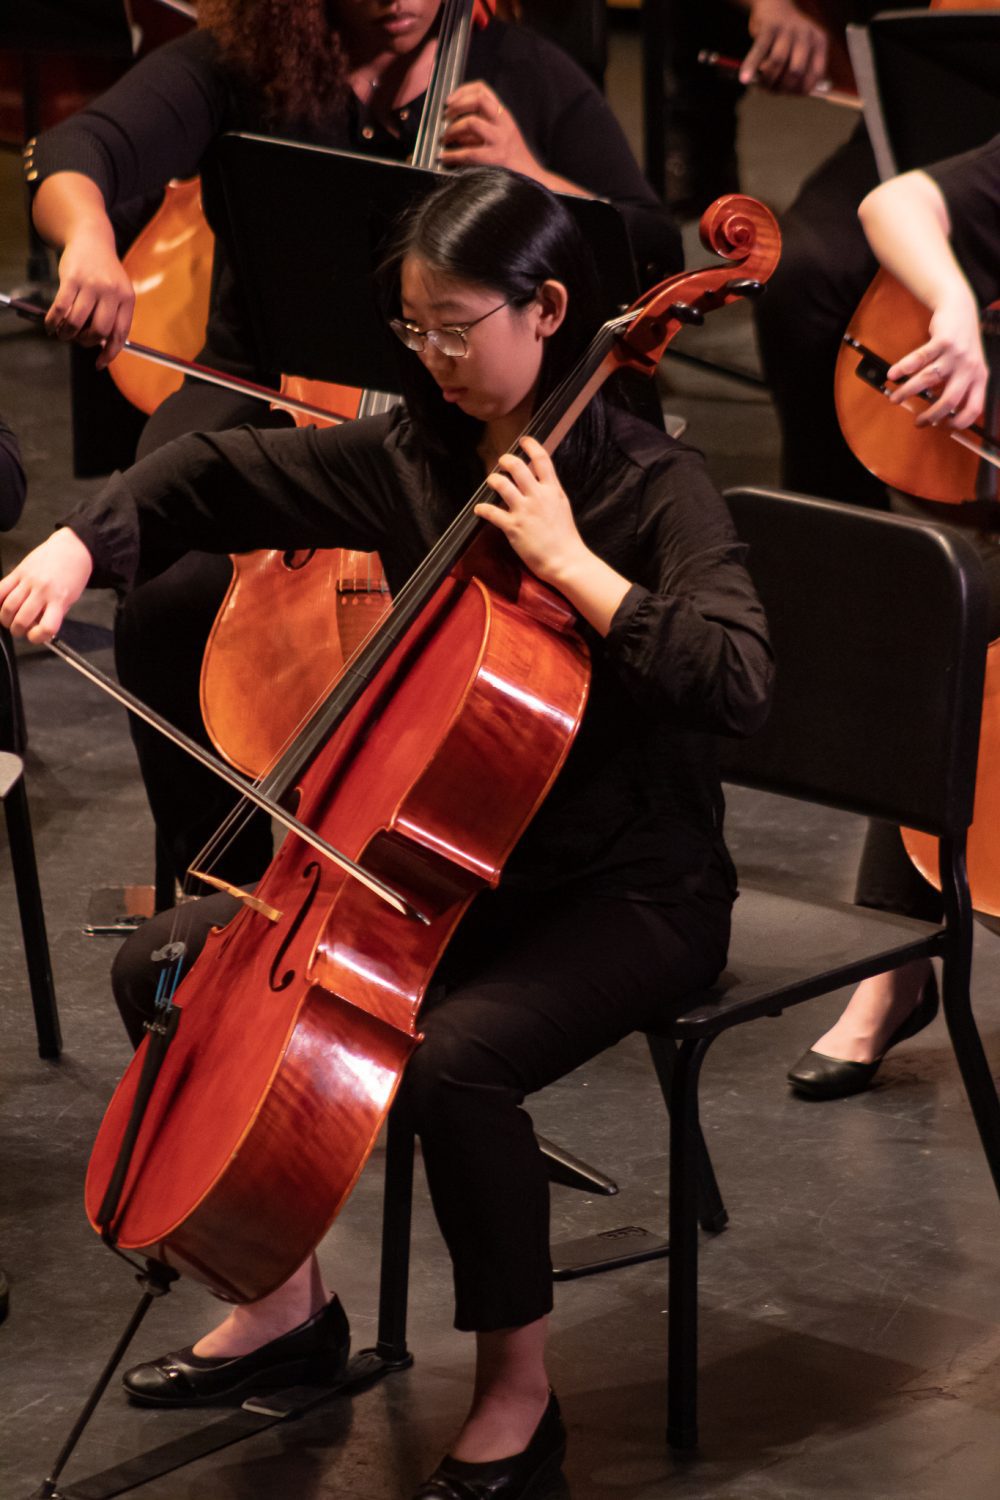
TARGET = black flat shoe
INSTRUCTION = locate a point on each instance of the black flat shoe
(822, 1077)
(520, 1477)
(316, 1350)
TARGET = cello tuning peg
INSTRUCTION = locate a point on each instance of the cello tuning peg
(745, 288)
(683, 312)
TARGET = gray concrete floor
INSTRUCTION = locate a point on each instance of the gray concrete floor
(850, 1329)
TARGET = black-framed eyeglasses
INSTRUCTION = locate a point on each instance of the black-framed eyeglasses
(452, 341)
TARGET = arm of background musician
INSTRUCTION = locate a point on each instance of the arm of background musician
(908, 226)
(789, 50)
(95, 299)
(153, 125)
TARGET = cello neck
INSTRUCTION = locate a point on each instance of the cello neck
(449, 69)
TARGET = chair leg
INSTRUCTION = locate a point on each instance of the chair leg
(972, 1063)
(29, 901)
(682, 1298)
(712, 1214)
(957, 998)
(396, 1216)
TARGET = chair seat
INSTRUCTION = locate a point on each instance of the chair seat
(785, 950)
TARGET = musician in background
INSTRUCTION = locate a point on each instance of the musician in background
(826, 264)
(357, 83)
(937, 232)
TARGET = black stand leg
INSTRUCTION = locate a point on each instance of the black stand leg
(956, 983)
(157, 1281)
(29, 901)
(396, 1216)
(682, 1299)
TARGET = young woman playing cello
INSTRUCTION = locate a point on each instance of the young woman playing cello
(350, 74)
(938, 233)
(615, 904)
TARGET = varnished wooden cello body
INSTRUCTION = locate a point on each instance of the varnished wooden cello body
(425, 765)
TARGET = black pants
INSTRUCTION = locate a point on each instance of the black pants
(529, 989)
(160, 635)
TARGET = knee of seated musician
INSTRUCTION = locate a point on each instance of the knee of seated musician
(456, 1075)
(135, 973)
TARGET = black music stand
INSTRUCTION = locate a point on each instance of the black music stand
(930, 81)
(306, 274)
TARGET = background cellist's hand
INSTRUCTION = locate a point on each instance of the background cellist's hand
(35, 596)
(95, 300)
(951, 363)
(789, 52)
(537, 519)
(482, 132)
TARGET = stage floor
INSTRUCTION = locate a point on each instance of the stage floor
(850, 1323)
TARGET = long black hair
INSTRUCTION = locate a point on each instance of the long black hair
(508, 234)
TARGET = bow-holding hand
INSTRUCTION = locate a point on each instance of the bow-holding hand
(951, 364)
(36, 595)
(537, 519)
(789, 52)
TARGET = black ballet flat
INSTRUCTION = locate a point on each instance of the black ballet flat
(820, 1077)
(521, 1477)
(316, 1350)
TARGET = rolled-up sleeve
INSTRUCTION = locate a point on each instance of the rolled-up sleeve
(689, 639)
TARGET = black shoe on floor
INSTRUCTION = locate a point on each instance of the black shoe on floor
(316, 1350)
(822, 1077)
(520, 1477)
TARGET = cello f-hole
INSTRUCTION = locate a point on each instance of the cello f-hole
(312, 874)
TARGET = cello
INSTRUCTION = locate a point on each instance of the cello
(424, 764)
